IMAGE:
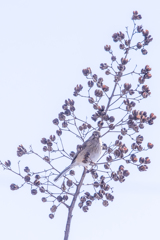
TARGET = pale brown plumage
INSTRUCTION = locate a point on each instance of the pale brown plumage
(90, 152)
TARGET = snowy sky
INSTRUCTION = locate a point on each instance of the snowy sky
(44, 45)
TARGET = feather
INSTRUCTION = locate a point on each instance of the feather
(63, 172)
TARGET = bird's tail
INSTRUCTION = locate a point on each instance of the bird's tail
(63, 172)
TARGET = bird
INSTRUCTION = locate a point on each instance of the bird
(89, 153)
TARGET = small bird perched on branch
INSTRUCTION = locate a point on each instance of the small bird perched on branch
(90, 152)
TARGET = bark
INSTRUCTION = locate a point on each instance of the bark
(69, 218)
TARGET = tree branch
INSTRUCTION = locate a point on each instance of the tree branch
(69, 218)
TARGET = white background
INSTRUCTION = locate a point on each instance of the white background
(44, 45)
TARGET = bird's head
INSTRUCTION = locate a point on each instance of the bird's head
(96, 134)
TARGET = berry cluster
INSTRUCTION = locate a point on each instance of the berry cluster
(119, 97)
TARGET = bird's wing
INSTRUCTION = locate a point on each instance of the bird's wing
(83, 147)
